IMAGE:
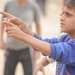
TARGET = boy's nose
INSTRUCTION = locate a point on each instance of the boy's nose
(62, 17)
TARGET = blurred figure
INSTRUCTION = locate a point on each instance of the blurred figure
(18, 51)
(41, 4)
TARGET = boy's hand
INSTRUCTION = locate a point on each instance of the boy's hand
(18, 22)
(38, 67)
(13, 31)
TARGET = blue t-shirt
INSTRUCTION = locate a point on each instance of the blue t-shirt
(63, 51)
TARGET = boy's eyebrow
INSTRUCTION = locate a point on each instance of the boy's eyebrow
(67, 12)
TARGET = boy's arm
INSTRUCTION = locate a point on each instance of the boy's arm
(13, 31)
(42, 62)
(25, 37)
(63, 52)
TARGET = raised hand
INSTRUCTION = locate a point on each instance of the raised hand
(13, 31)
(18, 22)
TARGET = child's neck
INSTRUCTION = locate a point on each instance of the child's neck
(72, 36)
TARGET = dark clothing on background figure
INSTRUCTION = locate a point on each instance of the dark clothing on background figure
(13, 57)
(41, 4)
(18, 51)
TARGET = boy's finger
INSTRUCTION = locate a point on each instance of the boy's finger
(8, 23)
(14, 20)
(6, 14)
(6, 19)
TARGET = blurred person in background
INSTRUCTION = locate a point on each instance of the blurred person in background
(41, 4)
(18, 51)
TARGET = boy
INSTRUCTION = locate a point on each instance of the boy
(61, 49)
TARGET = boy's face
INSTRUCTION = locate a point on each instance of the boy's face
(67, 20)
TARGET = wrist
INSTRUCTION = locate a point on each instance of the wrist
(40, 62)
(28, 31)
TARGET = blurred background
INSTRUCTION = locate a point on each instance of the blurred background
(50, 25)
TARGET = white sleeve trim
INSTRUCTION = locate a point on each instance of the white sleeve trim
(51, 60)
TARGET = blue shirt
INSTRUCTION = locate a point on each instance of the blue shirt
(63, 51)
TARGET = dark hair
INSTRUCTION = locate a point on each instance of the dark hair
(69, 3)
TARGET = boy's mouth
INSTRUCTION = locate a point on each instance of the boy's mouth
(62, 24)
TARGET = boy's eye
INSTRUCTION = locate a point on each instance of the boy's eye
(68, 14)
